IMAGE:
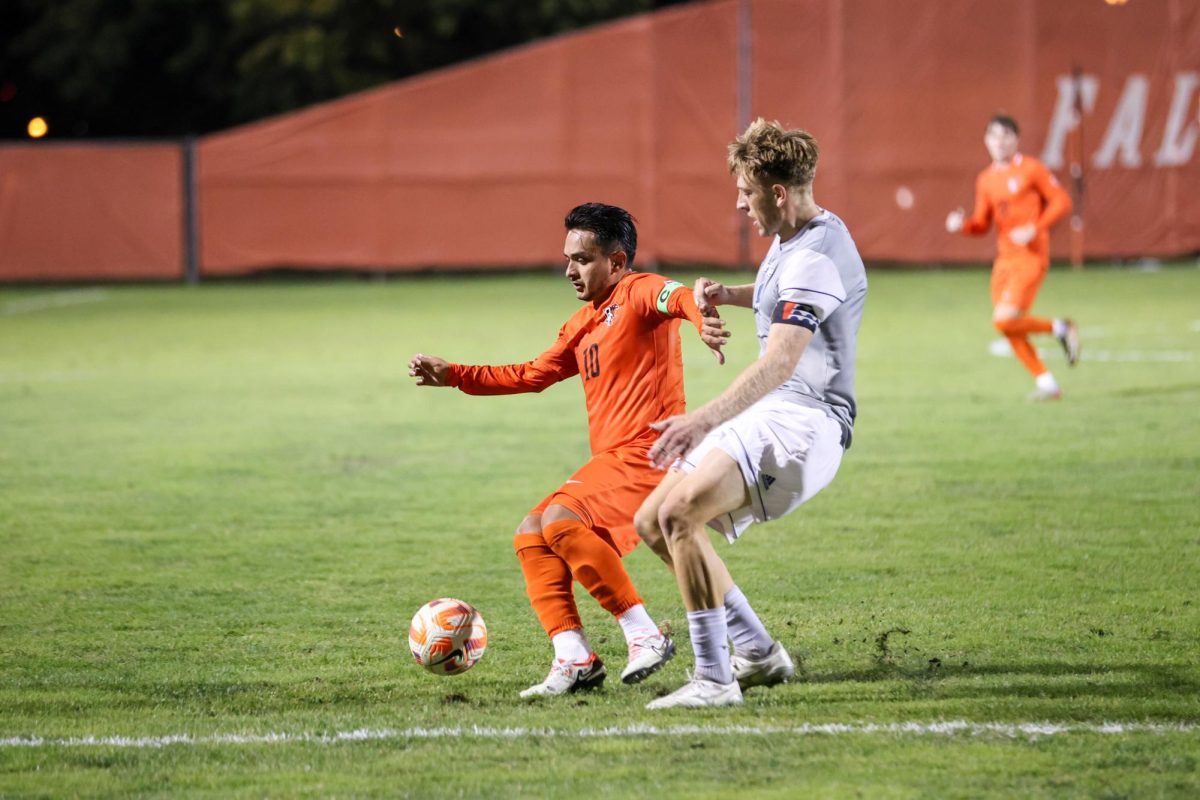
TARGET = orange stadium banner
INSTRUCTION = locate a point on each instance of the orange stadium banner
(473, 167)
(91, 212)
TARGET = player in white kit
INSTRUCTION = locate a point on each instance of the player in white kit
(775, 436)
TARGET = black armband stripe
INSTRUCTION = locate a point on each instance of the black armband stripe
(790, 312)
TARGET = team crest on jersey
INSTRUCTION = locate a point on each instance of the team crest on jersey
(1013, 185)
(610, 314)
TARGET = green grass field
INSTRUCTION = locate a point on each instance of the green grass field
(220, 506)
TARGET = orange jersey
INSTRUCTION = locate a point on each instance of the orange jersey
(1018, 193)
(626, 349)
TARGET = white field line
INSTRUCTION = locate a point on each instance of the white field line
(1139, 355)
(1001, 349)
(1017, 730)
(43, 302)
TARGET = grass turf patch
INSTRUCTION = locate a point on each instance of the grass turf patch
(220, 506)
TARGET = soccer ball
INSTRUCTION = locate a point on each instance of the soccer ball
(447, 636)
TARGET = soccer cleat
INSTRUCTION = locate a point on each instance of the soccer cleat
(775, 667)
(647, 655)
(1070, 341)
(566, 677)
(1040, 395)
(700, 693)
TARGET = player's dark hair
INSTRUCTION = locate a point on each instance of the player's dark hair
(1005, 121)
(613, 227)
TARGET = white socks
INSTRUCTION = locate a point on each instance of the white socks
(571, 646)
(750, 637)
(1046, 382)
(636, 624)
(710, 643)
(1059, 327)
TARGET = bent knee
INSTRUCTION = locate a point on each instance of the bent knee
(556, 512)
(1004, 317)
(679, 515)
(531, 524)
(526, 541)
(645, 522)
(529, 533)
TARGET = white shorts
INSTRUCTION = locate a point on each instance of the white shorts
(786, 452)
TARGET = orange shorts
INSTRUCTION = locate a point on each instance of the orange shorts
(606, 492)
(1015, 281)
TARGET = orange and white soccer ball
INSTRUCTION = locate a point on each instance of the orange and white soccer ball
(447, 636)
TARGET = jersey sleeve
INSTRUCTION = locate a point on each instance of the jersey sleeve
(981, 218)
(657, 296)
(557, 363)
(676, 300)
(810, 289)
(1057, 201)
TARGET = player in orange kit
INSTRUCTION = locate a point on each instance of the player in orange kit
(1023, 199)
(624, 344)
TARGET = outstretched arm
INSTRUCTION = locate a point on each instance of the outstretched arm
(682, 304)
(428, 370)
(550, 367)
(709, 294)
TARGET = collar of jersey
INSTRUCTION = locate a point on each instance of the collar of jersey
(791, 243)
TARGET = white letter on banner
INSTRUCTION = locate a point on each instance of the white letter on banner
(1179, 137)
(1065, 119)
(1125, 130)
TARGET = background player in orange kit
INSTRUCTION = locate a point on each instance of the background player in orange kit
(624, 344)
(1020, 195)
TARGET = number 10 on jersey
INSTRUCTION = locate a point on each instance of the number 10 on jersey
(591, 362)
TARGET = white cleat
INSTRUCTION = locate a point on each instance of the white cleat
(647, 656)
(566, 677)
(700, 693)
(775, 667)
(1040, 395)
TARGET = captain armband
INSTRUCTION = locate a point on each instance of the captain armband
(792, 313)
(664, 296)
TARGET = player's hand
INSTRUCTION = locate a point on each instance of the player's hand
(710, 294)
(954, 220)
(713, 334)
(1023, 234)
(428, 370)
(680, 434)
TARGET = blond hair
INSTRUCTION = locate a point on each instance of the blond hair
(767, 151)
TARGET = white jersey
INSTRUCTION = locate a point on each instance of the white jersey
(816, 278)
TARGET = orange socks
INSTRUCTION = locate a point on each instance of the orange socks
(1016, 331)
(1023, 326)
(594, 564)
(1024, 351)
(548, 583)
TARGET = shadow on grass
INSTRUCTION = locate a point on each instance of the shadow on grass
(1044, 681)
(1154, 391)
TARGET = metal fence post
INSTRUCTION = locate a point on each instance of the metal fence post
(745, 67)
(191, 213)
